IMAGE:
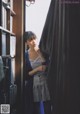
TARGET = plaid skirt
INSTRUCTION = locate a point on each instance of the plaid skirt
(40, 88)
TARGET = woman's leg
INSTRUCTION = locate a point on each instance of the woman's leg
(36, 107)
(47, 107)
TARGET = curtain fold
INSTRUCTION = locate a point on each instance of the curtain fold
(60, 42)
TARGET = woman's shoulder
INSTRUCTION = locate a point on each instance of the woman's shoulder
(40, 55)
(26, 54)
(38, 51)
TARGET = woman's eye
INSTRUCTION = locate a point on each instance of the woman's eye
(30, 39)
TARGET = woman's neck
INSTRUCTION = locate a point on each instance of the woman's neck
(32, 49)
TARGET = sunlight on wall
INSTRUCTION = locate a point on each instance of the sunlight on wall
(36, 15)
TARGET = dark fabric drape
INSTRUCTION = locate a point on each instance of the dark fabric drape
(60, 41)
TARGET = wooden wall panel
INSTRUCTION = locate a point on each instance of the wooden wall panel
(18, 29)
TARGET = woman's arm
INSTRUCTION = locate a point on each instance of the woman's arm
(40, 68)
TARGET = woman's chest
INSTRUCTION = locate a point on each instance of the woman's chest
(33, 55)
(35, 63)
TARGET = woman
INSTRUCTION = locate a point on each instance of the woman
(38, 72)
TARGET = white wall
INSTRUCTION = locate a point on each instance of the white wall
(36, 15)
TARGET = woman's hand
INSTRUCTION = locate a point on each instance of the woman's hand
(41, 68)
(38, 69)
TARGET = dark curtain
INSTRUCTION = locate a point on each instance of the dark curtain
(60, 42)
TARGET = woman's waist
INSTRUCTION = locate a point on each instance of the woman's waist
(39, 78)
(40, 74)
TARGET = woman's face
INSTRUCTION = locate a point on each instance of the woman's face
(31, 42)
